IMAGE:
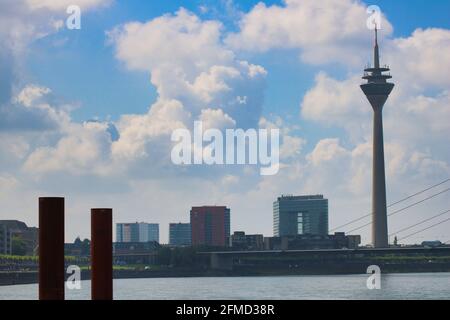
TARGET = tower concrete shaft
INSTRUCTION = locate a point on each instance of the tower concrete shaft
(377, 90)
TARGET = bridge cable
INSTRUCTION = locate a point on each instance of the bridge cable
(404, 208)
(392, 204)
(434, 225)
(418, 223)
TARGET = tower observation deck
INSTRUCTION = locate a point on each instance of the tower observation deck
(377, 90)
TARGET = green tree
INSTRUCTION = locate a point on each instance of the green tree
(19, 246)
(164, 256)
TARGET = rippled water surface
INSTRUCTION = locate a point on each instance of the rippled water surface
(393, 286)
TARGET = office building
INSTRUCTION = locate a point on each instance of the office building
(180, 234)
(294, 215)
(313, 242)
(14, 228)
(5, 240)
(137, 232)
(210, 226)
(241, 241)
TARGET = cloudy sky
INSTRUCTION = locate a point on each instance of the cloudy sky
(88, 114)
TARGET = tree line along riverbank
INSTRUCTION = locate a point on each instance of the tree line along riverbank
(255, 266)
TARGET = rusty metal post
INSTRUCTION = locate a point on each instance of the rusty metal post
(101, 254)
(51, 249)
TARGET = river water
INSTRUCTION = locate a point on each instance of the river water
(393, 286)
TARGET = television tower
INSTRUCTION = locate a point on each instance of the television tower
(377, 90)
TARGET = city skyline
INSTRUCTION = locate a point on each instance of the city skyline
(293, 215)
(87, 114)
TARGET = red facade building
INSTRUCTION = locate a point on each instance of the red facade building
(210, 226)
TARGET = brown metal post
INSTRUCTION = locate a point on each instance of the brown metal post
(101, 254)
(51, 249)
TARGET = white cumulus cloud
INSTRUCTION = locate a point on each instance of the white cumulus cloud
(324, 31)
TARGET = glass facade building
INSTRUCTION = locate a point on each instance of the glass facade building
(5, 240)
(137, 232)
(180, 234)
(294, 215)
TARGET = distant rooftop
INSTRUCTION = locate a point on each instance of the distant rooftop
(214, 206)
(14, 224)
(127, 223)
(304, 197)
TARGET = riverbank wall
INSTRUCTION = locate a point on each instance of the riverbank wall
(20, 277)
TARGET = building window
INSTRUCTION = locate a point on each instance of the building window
(299, 223)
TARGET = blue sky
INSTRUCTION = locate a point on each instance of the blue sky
(109, 90)
(325, 144)
(84, 71)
